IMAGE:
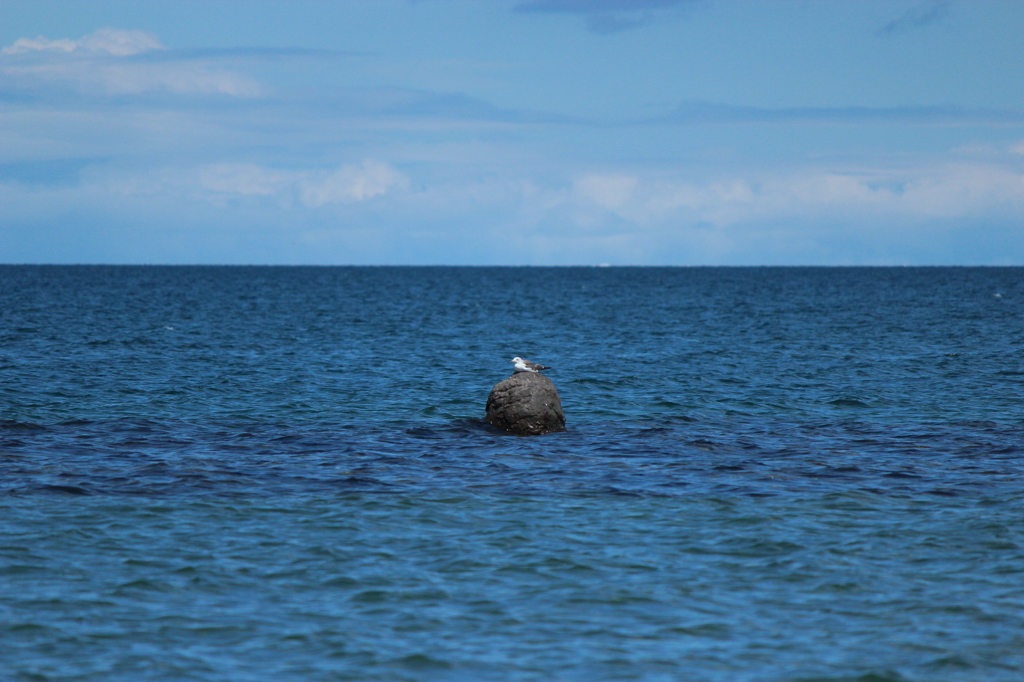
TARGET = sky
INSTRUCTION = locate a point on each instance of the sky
(512, 132)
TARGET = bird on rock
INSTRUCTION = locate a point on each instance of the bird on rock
(521, 365)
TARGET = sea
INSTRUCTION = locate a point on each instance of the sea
(282, 473)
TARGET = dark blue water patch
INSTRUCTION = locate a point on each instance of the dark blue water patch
(741, 455)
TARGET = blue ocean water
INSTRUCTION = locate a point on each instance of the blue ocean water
(248, 473)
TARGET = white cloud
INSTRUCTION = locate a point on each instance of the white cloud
(352, 183)
(608, 191)
(929, 214)
(246, 179)
(113, 41)
(133, 79)
(99, 62)
(221, 183)
(965, 190)
(601, 206)
(950, 191)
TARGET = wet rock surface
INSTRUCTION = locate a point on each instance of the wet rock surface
(526, 404)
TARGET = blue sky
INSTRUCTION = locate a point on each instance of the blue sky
(675, 132)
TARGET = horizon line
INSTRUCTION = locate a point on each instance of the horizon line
(471, 265)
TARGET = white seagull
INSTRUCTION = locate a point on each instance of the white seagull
(527, 366)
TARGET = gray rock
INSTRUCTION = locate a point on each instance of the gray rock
(525, 404)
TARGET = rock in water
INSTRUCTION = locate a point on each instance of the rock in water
(525, 404)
